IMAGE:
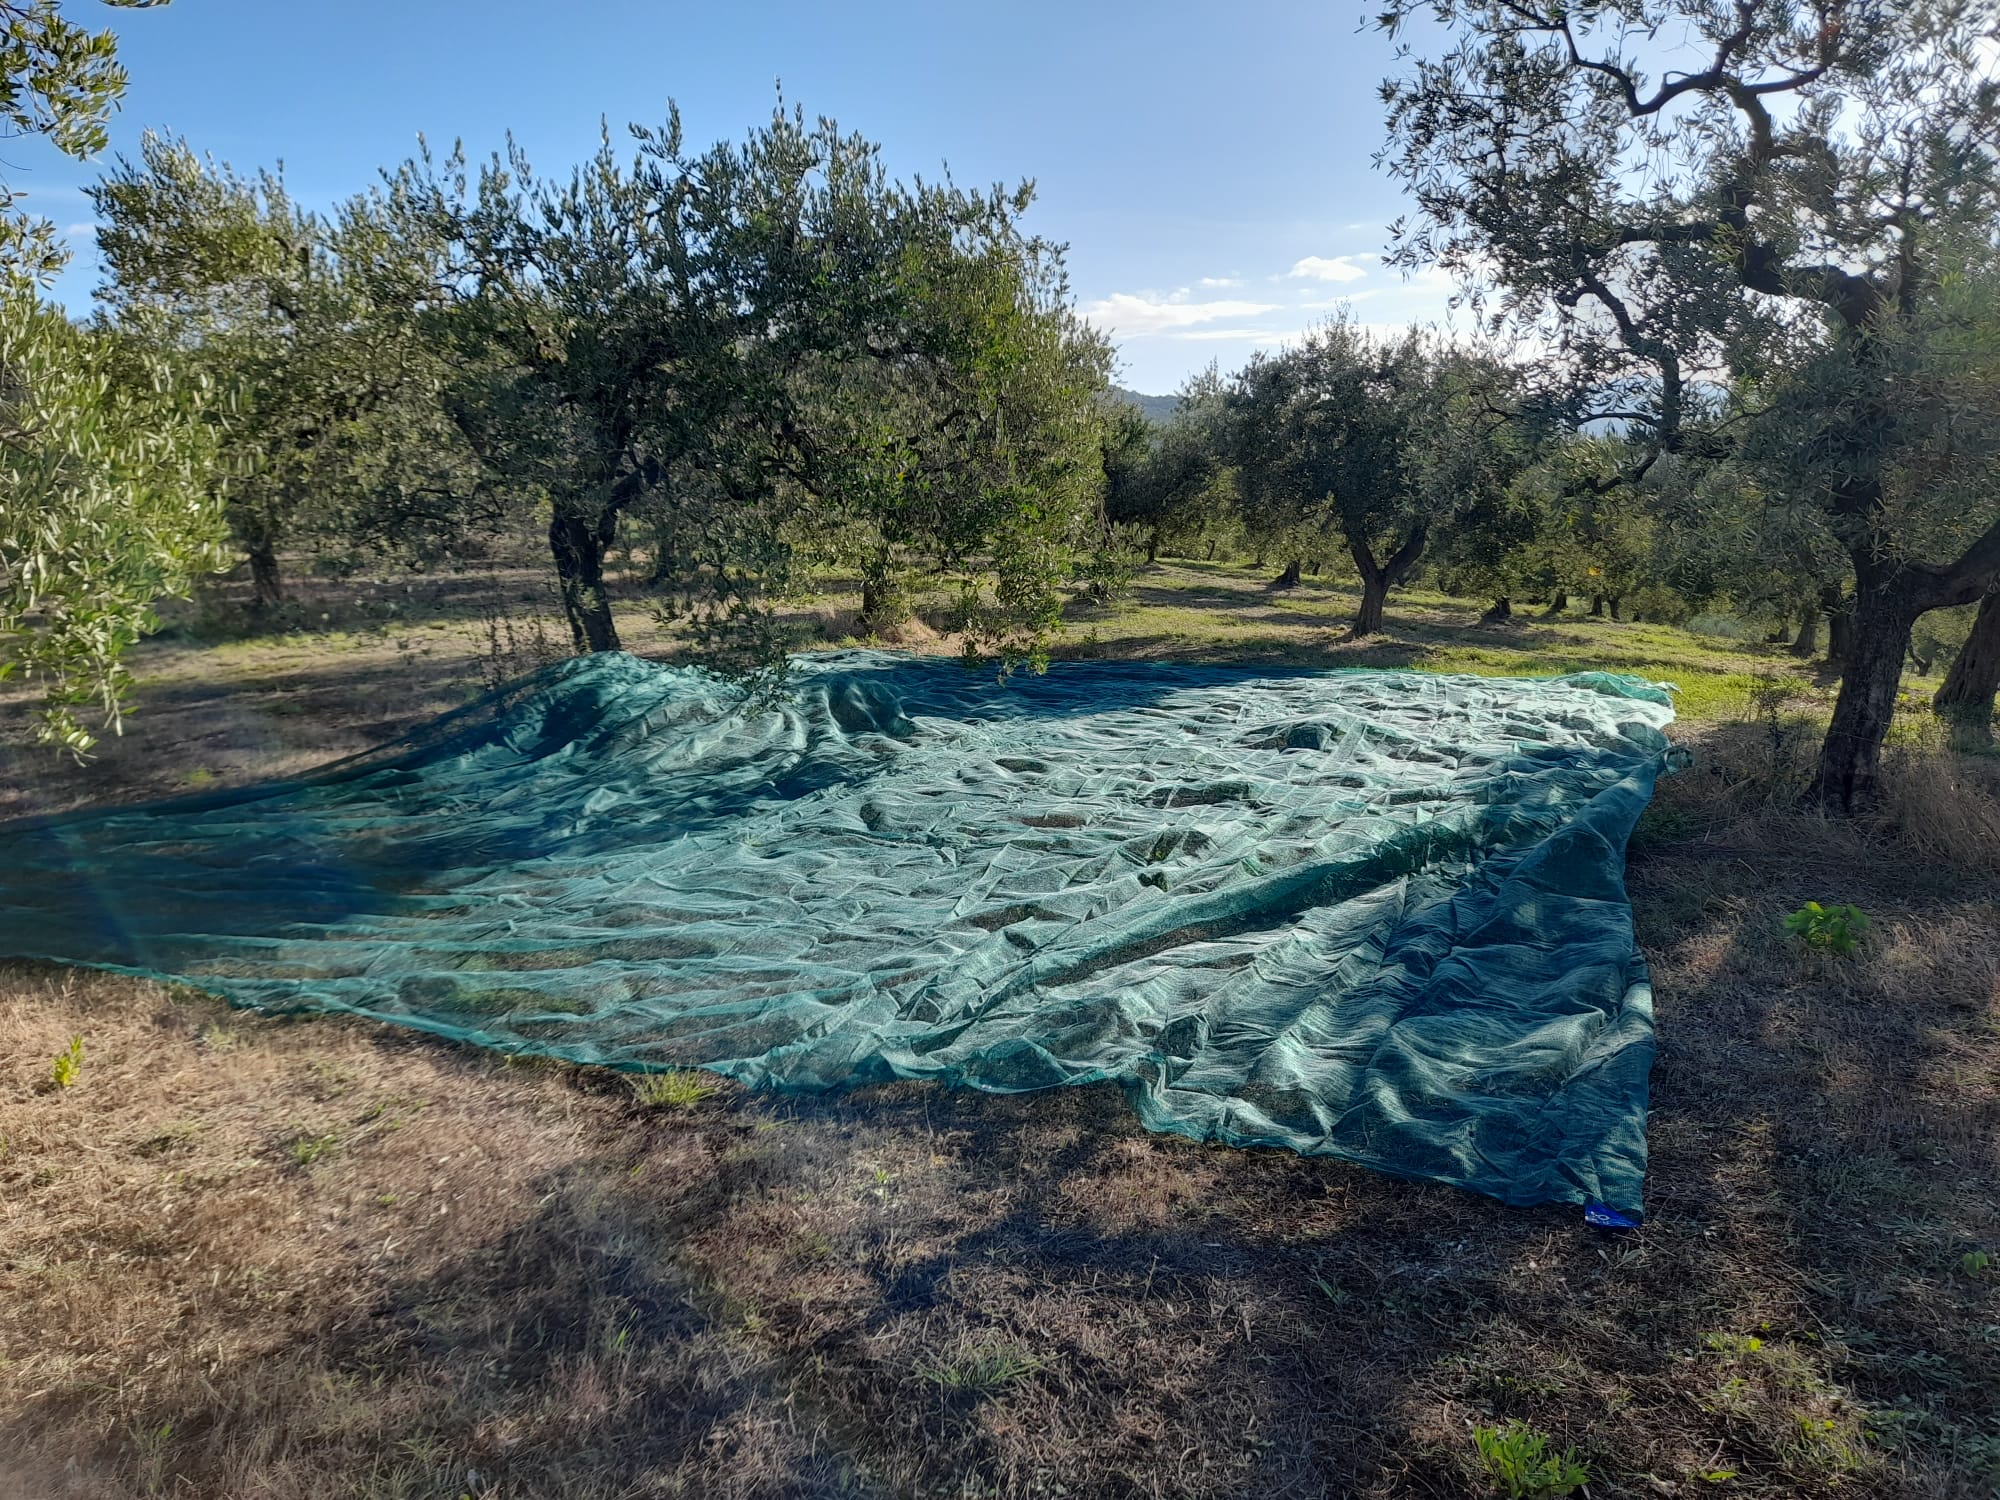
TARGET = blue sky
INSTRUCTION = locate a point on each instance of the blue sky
(1208, 165)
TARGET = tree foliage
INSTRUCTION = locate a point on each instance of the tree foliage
(771, 353)
(103, 455)
(333, 424)
(59, 81)
(1382, 447)
(1744, 231)
(103, 508)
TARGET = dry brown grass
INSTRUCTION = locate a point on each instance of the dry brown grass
(250, 1257)
(1944, 804)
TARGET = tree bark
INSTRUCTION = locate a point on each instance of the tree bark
(1596, 606)
(1503, 609)
(578, 545)
(1807, 641)
(1613, 600)
(1557, 605)
(267, 580)
(1850, 757)
(1378, 578)
(1289, 579)
(1974, 679)
(1374, 595)
(1153, 547)
(1211, 551)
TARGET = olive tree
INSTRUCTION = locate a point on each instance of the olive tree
(1171, 479)
(60, 81)
(761, 349)
(103, 458)
(330, 423)
(104, 508)
(1379, 446)
(1681, 194)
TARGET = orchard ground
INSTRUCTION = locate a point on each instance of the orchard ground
(244, 1256)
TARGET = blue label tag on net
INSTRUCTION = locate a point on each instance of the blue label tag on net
(1607, 1218)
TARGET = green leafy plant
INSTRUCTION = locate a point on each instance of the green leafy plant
(68, 1064)
(1521, 1465)
(1828, 929)
(1975, 1262)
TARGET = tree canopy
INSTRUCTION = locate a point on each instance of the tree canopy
(103, 455)
(1746, 233)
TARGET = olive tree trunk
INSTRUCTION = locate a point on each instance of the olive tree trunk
(1974, 679)
(1850, 757)
(1378, 578)
(578, 543)
(267, 579)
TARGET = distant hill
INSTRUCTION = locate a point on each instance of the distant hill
(1156, 408)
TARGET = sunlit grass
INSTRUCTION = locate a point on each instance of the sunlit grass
(1196, 611)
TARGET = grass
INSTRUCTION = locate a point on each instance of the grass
(501, 1279)
(678, 1088)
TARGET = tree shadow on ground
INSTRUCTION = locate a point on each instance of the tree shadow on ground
(904, 1291)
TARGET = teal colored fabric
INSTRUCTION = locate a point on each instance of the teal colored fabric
(1366, 914)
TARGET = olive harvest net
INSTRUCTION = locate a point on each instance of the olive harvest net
(1377, 915)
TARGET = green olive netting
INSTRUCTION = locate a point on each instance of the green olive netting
(1368, 914)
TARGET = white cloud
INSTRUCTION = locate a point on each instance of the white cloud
(1327, 268)
(1221, 281)
(1240, 335)
(76, 231)
(1135, 316)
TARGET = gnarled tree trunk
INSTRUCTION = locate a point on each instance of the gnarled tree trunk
(578, 544)
(1850, 757)
(1556, 605)
(1807, 641)
(1289, 579)
(1596, 606)
(1378, 578)
(1374, 595)
(1503, 609)
(1974, 679)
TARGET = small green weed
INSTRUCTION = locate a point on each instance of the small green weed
(151, 1443)
(1338, 1295)
(306, 1149)
(986, 1368)
(680, 1089)
(1975, 1262)
(1828, 929)
(1518, 1459)
(68, 1064)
